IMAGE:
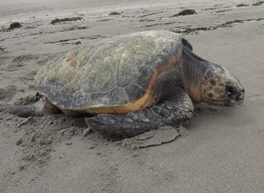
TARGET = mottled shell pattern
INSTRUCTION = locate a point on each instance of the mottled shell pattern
(108, 73)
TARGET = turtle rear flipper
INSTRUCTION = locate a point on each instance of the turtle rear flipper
(24, 111)
(37, 109)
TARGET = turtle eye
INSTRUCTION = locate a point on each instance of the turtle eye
(230, 91)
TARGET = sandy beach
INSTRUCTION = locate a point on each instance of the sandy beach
(224, 150)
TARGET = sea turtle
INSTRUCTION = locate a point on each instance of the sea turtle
(132, 83)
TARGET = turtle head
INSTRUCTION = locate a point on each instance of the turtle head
(220, 87)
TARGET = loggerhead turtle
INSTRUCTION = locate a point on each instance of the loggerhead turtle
(133, 83)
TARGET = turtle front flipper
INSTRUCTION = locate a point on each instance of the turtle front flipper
(174, 111)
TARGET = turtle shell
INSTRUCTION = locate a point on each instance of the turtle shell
(111, 75)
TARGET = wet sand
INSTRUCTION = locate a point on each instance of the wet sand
(224, 150)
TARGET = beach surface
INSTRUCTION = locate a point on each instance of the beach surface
(224, 150)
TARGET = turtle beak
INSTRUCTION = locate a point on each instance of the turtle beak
(236, 95)
(240, 97)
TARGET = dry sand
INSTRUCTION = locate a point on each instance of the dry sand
(224, 151)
